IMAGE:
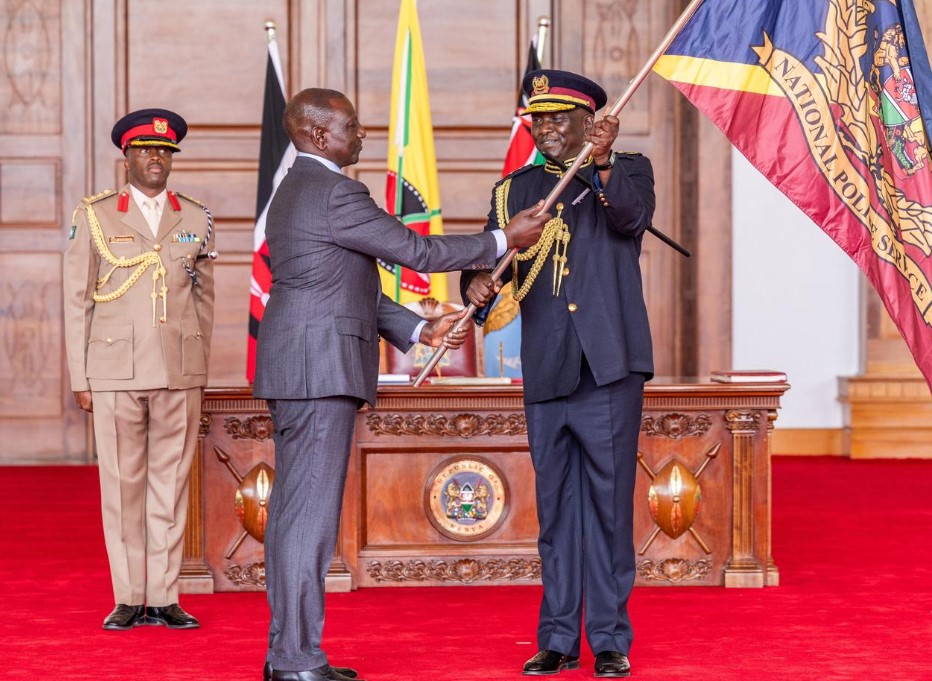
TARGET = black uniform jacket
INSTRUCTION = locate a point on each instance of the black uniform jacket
(600, 310)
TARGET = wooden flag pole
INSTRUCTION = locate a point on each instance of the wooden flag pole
(543, 23)
(570, 173)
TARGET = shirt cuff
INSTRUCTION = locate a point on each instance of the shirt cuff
(416, 336)
(502, 242)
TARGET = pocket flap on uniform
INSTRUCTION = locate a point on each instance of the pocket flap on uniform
(190, 328)
(193, 352)
(111, 333)
(110, 351)
(353, 326)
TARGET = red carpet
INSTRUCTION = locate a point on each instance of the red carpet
(852, 540)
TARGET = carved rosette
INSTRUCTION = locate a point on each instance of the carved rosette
(246, 575)
(674, 570)
(742, 421)
(460, 425)
(465, 571)
(204, 426)
(676, 426)
(258, 428)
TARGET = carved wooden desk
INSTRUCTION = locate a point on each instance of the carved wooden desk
(440, 489)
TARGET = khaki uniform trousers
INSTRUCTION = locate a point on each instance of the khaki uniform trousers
(145, 444)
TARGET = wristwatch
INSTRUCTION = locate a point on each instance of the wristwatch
(607, 166)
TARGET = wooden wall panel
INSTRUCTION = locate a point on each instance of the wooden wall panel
(30, 92)
(30, 335)
(41, 162)
(618, 37)
(31, 192)
(202, 59)
(229, 191)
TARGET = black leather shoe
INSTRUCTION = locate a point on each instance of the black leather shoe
(549, 662)
(348, 672)
(612, 665)
(171, 616)
(125, 617)
(326, 672)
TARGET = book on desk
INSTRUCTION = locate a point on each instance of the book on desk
(748, 376)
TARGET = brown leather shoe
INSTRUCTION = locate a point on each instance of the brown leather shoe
(125, 617)
(549, 662)
(171, 616)
(612, 665)
(348, 672)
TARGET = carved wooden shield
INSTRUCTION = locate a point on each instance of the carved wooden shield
(252, 500)
(674, 499)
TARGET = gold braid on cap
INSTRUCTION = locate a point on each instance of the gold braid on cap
(153, 143)
(140, 262)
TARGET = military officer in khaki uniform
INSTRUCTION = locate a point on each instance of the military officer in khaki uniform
(138, 298)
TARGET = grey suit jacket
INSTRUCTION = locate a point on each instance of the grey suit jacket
(319, 336)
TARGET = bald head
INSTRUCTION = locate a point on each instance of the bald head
(323, 122)
(309, 109)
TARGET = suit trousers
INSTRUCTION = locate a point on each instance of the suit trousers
(584, 450)
(145, 445)
(312, 446)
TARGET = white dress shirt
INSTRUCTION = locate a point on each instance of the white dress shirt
(151, 207)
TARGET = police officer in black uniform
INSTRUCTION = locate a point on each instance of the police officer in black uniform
(585, 353)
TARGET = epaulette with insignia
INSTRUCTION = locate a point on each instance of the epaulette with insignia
(515, 173)
(85, 202)
(88, 200)
(191, 199)
(210, 231)
(632, 154)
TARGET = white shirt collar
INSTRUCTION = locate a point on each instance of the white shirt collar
(141, 198)
(326, 162)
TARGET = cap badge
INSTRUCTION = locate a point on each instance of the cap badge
(541, 85)
(160, 125)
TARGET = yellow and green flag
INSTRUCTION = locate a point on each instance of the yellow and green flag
(412, 192)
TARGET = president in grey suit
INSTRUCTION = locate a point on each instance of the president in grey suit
(317, 356)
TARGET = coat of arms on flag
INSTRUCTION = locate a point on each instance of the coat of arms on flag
(829, 100)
